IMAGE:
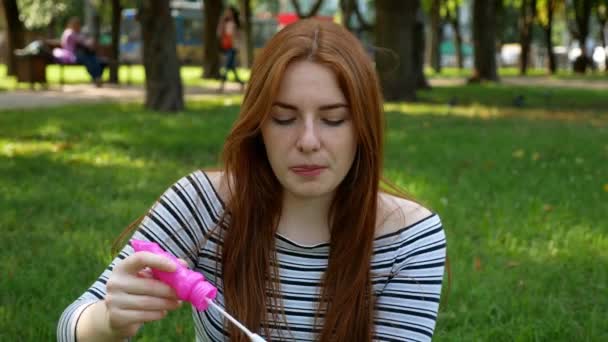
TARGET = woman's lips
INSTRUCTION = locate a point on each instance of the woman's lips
(308, 171)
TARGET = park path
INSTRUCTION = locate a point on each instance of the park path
(87, 93)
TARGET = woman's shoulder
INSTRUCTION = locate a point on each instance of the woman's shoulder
(396, 213)
(216, 181)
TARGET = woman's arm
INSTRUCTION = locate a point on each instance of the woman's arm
(178, 222)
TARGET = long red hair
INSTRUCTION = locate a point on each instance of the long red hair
(249, 265)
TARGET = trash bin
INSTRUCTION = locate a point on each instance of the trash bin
(31, 63)
(31, 69)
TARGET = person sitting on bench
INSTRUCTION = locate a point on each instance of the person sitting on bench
(76, 49)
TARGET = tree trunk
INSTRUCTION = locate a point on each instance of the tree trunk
(211, 44)
(526, 19)
(602, 19)
(484, 40)
(15, 34)
(419, 48)
(116, 9)
(395, 21)
(348, 9)
(246, 30)
(582, 13)
(454, 20)
(436, 35)
(549, 35)
(163, 81)
(458, 43)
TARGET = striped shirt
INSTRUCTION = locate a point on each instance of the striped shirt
(407, 269)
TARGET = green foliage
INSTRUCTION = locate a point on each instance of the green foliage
(37, 14)
(523, 194)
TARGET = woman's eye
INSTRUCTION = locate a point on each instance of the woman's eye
(283, 122)
(333, 122)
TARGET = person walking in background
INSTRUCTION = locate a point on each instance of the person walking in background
(77, 49)
(228, 33)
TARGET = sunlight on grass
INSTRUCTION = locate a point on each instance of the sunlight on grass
(29, 148)
(10, 148)
(474, 110)
(562, 242)
(107, 158)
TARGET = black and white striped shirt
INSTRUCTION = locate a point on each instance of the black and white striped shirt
(407, 270)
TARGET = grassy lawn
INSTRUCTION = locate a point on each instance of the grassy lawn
(563, 74)
(523, 194)
(191, 76)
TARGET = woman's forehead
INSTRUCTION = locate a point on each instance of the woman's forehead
(306, 81)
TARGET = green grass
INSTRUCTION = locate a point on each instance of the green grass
(561, 74)
(75, 74)
(191, 75)
(523, 194)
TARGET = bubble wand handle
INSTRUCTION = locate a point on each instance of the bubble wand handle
(253, 337)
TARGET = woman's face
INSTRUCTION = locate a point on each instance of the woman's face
(309, 136)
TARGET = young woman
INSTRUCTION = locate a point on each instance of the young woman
(297, 232)
(228, 31)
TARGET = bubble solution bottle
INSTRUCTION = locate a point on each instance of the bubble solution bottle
(190, 286)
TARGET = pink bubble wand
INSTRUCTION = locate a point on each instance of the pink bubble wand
(189, 285)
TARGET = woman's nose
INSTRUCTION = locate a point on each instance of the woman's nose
(308, 139)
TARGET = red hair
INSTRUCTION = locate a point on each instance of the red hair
(249, 265)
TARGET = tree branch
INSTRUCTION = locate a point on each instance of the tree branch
(365, 26)
(313, 11)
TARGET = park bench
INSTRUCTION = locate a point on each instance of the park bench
(31, 67)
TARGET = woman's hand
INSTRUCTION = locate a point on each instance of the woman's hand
(134, 297)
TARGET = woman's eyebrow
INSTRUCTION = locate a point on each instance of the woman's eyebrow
(322, 108)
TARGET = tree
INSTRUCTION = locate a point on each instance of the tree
(15, 33)
(602, 19)
(350, 8)
(313, 11)
(419, 48)
(436, 35)
(395, 24)
(211, 56)
(245, 6)
(484, 40)
(163, 81)
(581, 10)
(451, 9)
(546, 11)
(527, 17)
(116, 9)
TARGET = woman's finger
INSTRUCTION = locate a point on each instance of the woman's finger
(140, 260)
(145, 273)
(123, 318)
(150, 287)
(145, 303)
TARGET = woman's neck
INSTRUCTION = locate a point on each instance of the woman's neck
(305, 219)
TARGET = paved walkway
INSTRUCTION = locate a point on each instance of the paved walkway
(87, 93)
